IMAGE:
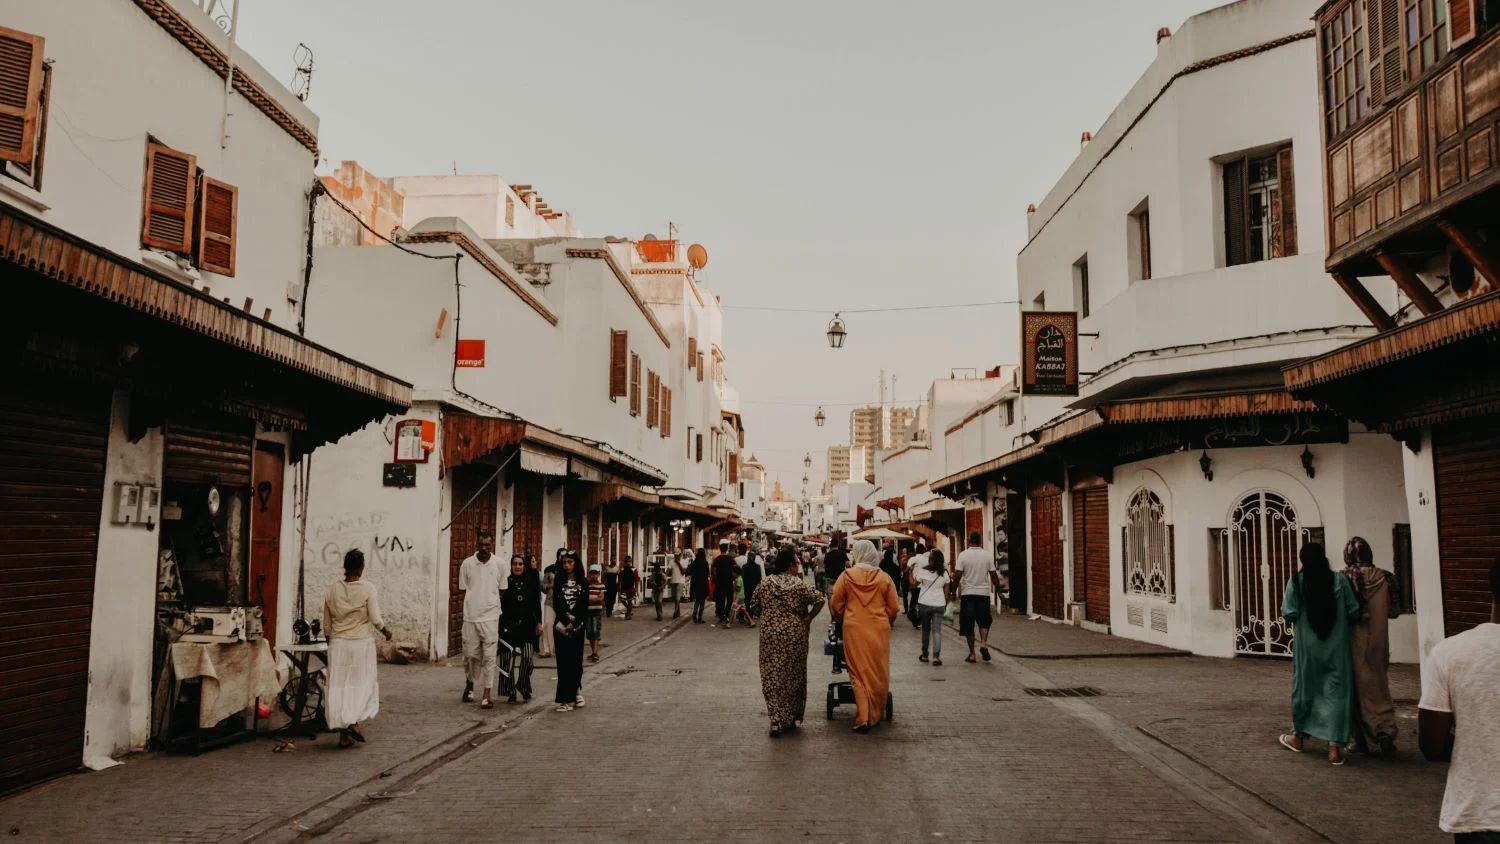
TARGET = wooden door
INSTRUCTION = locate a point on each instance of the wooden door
(265, 532)
(1091, 552)
(52, 447)
(463, 537)
(1047, 552)
(527, 528)
(1466, 458)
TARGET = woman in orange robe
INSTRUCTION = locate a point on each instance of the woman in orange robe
(865, 597)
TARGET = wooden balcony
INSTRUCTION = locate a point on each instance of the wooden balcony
(1411, 181)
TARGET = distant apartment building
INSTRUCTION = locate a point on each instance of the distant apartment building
(838, 464)
(877, 428)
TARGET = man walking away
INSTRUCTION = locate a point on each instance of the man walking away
(630, 583)
(481, 578)
(834, 563)
(1458, 720)
(724, 574)
(611, 586)
(976, 574)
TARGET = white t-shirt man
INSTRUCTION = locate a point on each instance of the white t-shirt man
(916, 563)
(930, 587)
(481, 584)
(974, 567)
(1462, 677)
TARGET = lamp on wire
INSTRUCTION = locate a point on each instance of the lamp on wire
(807, 461)
(820, 417)
(836, 333)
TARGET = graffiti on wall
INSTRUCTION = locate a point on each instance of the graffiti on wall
(387, 547)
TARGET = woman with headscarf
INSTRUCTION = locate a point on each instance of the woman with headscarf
(520, 629)
(865, 598)
(697, 573)
(570, 601)
(786, 606)
(1370, 649)
(1322, 606)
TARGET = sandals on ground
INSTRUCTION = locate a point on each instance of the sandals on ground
(1289, 741)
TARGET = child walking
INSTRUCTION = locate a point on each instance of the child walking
(630, 583)
(594, 628)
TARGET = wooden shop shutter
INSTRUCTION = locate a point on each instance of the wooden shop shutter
(635, 384)
(653, 400)
(218, 215)
(1236, 224)
(692, 352)
(167, 219)
(1463, 22)
(20, 93)
(1284, 209)
(619, 360)
(666, 412)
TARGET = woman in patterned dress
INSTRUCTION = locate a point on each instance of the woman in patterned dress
(787, 606)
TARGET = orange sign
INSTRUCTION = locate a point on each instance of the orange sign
(471, 354)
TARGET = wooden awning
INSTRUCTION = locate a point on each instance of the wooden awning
(72, 261)
(707, 515)
(895, 502)
(1461, 322)
(467, 438)
(602, 494)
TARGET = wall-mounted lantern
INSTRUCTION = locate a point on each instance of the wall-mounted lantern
(1206, 463)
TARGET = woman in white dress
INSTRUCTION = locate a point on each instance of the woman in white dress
(351, 618)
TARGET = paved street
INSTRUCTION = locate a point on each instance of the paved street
(672, 746)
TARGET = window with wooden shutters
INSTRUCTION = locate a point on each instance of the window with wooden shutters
(700, 367)
(20, 94)
(1463, 21)
(1260, 208)
(167, 220)
(218, 214)
(666, 412)
(635, 384)
(619, 361)
(1347, 90)
(734, 468)
(1387, 64)
(700, 448)
(653, 400)
(692, 352)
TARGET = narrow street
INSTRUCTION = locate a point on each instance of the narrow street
(672, 747)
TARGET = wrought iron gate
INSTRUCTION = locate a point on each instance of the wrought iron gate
(1261, 545)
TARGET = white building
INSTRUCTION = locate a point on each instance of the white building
(1168, 501)
(160, 401)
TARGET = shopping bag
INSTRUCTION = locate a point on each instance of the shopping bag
(949, 610)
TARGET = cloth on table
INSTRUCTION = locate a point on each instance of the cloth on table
(233, 675)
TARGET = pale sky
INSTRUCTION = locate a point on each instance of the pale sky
(829, 154)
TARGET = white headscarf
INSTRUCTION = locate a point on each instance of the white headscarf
(864, 554)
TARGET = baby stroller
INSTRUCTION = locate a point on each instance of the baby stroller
(842, 691)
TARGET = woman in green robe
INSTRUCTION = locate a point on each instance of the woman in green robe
(1322, 607)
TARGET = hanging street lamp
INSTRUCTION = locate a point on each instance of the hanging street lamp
(836, 333)
(820, 417)
(807, 461)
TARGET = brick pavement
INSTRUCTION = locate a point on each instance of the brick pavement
(232, 792)
(677, 750)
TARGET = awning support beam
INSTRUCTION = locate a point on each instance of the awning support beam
(1355, 290)
(1409, 282)
(1479, 254)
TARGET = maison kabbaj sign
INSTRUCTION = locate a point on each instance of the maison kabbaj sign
(1049, 353)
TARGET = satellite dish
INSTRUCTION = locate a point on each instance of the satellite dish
(697, 256)
(649, 237)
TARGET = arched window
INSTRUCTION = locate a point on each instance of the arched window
(1147, 550)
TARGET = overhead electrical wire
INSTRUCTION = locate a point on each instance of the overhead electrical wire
(897, 309)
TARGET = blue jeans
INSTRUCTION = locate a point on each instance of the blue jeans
(932, 625)
(594, 627)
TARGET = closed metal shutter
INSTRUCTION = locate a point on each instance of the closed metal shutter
(52, 447)
(216, 452)
(1466, 456)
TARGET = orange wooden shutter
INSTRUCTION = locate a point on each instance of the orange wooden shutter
(20, 93)
(619, 352)
(167, 219)
(1463, 22)
(218, 215)
(692, 352)
(635, 384)
(653, 400)
(734, 468)
(1284, 208)
(666, 412)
